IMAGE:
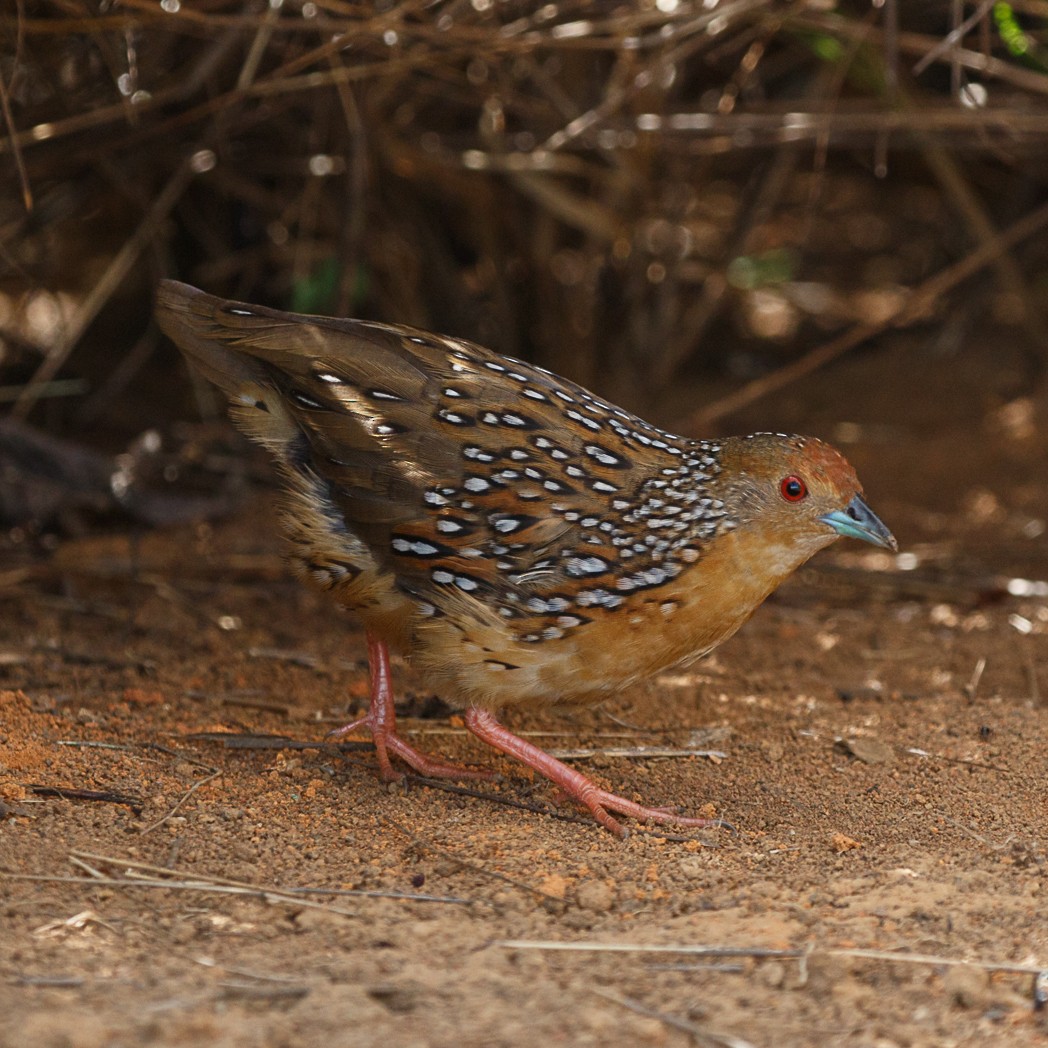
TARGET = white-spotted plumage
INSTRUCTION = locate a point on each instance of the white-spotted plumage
(519, 538)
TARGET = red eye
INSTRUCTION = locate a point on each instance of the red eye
(793, 489)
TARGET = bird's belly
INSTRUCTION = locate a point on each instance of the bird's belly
(490, 668)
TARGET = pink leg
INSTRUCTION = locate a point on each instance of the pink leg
(381, 721)
(581, 789)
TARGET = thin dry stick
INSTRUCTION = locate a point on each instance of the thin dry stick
(148, 882)
(1028, 79)
(161, 877)
(932, 959)
(916, 751)
(976, 836)
(981, 229)
(16, 150)
(617, 96)
(916, 305)
(465, 864)
(96, 874)
(113, 276)
(814, 123)
(1031, 672)
(93, 745)
(182, 800)
(954, 36)
(692, 950)
(700, 1033)
(269, 895)
(165, 591)
(263, 32)
(891, 46)
(973, 684)
(638, 752)
(696, 950)
(159, 871)
(246, 973)
(696, 318)
(357, 173)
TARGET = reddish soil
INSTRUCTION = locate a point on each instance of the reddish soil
(888, 794)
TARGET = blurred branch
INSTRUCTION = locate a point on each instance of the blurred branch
(919, 44)
(572, 181)
(115, 273)
(917, 305)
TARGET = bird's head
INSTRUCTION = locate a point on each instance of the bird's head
(798, 492)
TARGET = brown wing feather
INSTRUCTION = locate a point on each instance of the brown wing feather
(456, 467)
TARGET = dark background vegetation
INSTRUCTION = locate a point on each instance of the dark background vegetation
(633, 194)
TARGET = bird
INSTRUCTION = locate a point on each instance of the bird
(518, 539)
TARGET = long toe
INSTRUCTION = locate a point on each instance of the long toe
(388, 742)
(573, 783)
(430, 766)
(605, 801)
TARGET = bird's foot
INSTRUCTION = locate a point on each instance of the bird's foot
(600, 803)
(381, 721)
(388, 742)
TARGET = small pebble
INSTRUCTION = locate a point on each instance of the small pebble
(595, 896)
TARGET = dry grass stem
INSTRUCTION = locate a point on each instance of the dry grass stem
(761, 952)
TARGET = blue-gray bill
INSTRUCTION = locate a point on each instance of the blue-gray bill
(858, 521)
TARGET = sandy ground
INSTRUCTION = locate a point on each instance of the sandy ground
(882, 737)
